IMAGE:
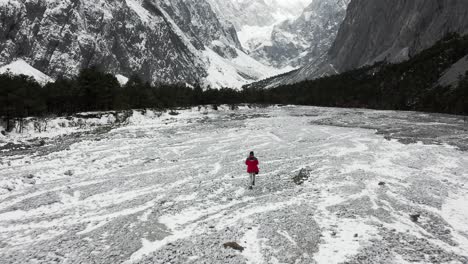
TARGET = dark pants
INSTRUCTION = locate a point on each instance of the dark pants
(252, 179)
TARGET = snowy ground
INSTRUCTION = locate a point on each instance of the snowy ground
(172, 189)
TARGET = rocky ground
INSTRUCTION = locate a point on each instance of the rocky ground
(336, 186)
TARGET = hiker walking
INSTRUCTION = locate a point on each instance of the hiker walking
(252, 168)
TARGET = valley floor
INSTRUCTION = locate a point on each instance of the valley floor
(174, 190)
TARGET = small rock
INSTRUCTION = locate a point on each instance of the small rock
(234, 246)
(29, 181)
(69, 173)
(381, 183)
(356, 235)
(333, 233)
(415, 217)
(29, 176)
(301, 177)
(42, 142)
(3, 132)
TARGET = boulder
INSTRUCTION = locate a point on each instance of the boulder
(234, 246)
(415, 217)
(301, 177)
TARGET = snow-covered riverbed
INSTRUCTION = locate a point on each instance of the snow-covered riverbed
(172, 189)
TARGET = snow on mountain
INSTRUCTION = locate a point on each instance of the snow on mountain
(236, 72)
(261, 13)
(297, 42)
(284, 34)
(162, 41)
(255, 20)
(19, 67)
(381, 30)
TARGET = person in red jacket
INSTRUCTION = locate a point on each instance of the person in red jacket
(252, 168)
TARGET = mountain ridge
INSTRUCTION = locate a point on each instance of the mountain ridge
(378, 30)
(161, 41)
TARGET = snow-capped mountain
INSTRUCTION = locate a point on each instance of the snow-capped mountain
(257, 13)
(256, 20)
(383, 30)
(304, 39)
(284, 34)
(162, 41)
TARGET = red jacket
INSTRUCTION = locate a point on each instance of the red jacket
(252, 165)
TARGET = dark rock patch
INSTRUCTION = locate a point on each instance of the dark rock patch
(234, 246)
(415, 217)
(301, 177)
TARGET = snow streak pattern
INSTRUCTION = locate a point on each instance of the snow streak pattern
(172, 189)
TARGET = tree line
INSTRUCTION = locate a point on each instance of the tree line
(93, 90)
(410, 85)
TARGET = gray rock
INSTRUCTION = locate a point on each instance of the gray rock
(234, 246)
(301, 177)
(415, 217)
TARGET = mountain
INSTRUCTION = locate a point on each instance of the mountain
(257, 13)
(284, 34)
(434, 80)
(162, 41)
(382, 30)
(303, 40)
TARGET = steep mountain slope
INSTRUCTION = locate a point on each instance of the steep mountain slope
(304, 39)
(434, 80)
(257, 13)
(399, 29)
(284, 34)
(163, 41)
(385, 30)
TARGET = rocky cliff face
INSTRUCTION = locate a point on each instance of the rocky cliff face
(385, 30)
(303, 40)
(163, 41)
(284, 34)
(257, 13)
(394, 30)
